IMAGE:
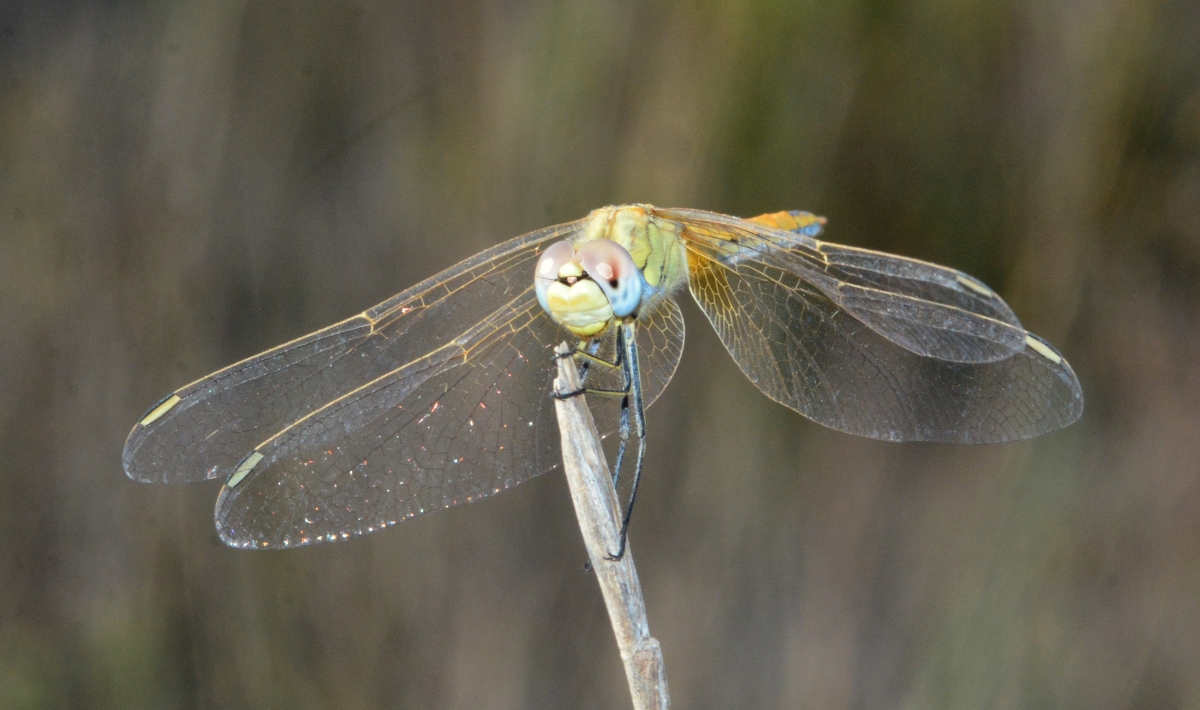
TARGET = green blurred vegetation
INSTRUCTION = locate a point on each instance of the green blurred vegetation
(184, 184)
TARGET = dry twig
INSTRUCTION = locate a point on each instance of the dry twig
(597, 507)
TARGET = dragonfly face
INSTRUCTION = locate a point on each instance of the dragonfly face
(441, 395)
(583, 290)
(624, 261)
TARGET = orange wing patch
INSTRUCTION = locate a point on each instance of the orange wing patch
(795, 221)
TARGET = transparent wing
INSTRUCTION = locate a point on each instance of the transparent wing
(660, 345)
(204, 429)
(468, 420)
(810, 351)
(925, 308)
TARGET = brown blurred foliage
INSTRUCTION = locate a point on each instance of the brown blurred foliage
(186, 183)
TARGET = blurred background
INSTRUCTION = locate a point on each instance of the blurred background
(183, 184)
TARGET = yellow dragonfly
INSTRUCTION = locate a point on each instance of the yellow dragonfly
(443, 394)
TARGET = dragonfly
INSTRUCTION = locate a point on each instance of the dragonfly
(444, 394)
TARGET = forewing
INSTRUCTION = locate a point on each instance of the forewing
(204, 429)
(928, 309)
(808, 352)
(468, 420)
(464, 422)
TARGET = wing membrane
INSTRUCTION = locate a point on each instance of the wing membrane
(468, 420)
(811, 353)
(457, 425)
(219, 418)
(925, 308)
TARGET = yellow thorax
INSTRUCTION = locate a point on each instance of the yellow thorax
(652, 241)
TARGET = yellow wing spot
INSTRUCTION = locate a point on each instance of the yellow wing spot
(975, 286)
(160, 410)
(244, 468)
(1042, 349)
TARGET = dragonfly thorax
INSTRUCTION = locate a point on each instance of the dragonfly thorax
(623, 259)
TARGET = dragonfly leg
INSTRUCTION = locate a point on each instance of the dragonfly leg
(592, 348)
(625, 384)
(631, 399)
(637, 477)
(633, 380)
(589, 356)
(623, 432)
(589, 390)
(586, 351)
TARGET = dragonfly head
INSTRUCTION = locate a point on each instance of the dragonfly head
(586, 287)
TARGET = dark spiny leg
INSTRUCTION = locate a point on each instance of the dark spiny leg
(626, 383)
(593, 346)
(623, 432)
(583, 371)
(588, 390)
(637, 478)
(568, 395)
(586, 351)
(591, 358)
(589, 355)
(634, 381)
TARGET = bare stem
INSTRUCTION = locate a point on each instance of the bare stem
(597, 507)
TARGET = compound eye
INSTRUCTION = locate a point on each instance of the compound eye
(611, 267)
(548, 267)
